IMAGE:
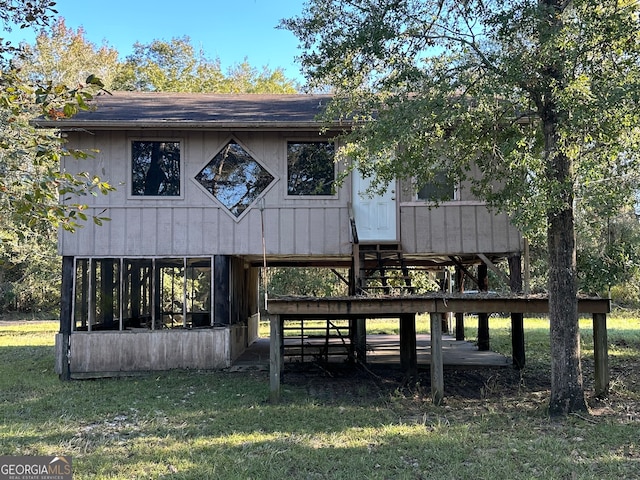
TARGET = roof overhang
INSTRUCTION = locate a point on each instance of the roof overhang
(200, 111)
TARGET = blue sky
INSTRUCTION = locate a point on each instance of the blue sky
(228, 29)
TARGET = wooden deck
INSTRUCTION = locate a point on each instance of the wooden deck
(357, 309)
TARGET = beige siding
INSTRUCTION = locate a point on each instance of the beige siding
(196, 225)
(456, 228)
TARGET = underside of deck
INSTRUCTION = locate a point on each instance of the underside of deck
(381, 349)
(355, 310)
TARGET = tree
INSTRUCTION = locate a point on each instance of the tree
(33, 190)
(175, 66)
(539, 95)
(64, 57)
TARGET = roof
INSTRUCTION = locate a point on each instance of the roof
(124, 110)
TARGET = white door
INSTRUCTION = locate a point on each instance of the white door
(375, 215)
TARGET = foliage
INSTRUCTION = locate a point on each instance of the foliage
(532, 102)
(29, 270)
(34, 193)
(175, 66)
(463, 87)
(61, 55)
(301, 281)
(609, 253)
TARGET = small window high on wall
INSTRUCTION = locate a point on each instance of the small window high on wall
(310, 168)
(155, 168)
(440, 189)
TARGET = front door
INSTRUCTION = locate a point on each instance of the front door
(375, 215)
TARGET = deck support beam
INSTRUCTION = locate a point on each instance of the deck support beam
(408, 352)
(275, 357)
(66, 302)
(359, 338)
(517, 319)
(600, 353)
(483, 317)
(437, 371)
(459, 315)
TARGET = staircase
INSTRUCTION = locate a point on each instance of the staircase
(381, 269)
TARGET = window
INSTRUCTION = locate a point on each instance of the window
(234, 178)
(310, 168)
(440, 189)
(155, 168)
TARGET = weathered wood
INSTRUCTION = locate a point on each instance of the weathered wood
(601, 354)
(459, 326)
(517, 319)
(142, 350)
(437, 371)
(408, 353)
(222, 289)
(106, 291)
(483, 317)
(359, 338)
(499, 273)
(275, 357)
(66, 302)
(517, 340)
(459, 315)
(388, 307)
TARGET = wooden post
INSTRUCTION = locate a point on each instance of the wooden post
(601, 354)
(222, 289)
(483, 318)
(106, 292)
(66, 302)
(517, 319)
(408, 353)
(459, 315)
(275, 357)
(84, 292)
(437, 373)
(359, 338)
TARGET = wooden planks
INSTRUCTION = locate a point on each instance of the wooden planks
(405, 309)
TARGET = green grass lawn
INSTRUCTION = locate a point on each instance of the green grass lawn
(219, 425)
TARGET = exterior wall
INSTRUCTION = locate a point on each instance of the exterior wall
(195, 224)
(112, 353)
(456, 228)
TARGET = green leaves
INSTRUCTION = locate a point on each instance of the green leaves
(470, 88)
(175, 66)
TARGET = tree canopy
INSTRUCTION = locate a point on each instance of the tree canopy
(538, 96)
(175, 66)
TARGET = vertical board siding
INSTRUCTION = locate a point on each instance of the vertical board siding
(486, 234)
(469, 229)
(196, 224)
(149, 351)
(456, 229)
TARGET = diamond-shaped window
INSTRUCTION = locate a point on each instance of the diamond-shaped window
(234, 178)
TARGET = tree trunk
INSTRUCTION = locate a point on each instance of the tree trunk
(567, 394)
